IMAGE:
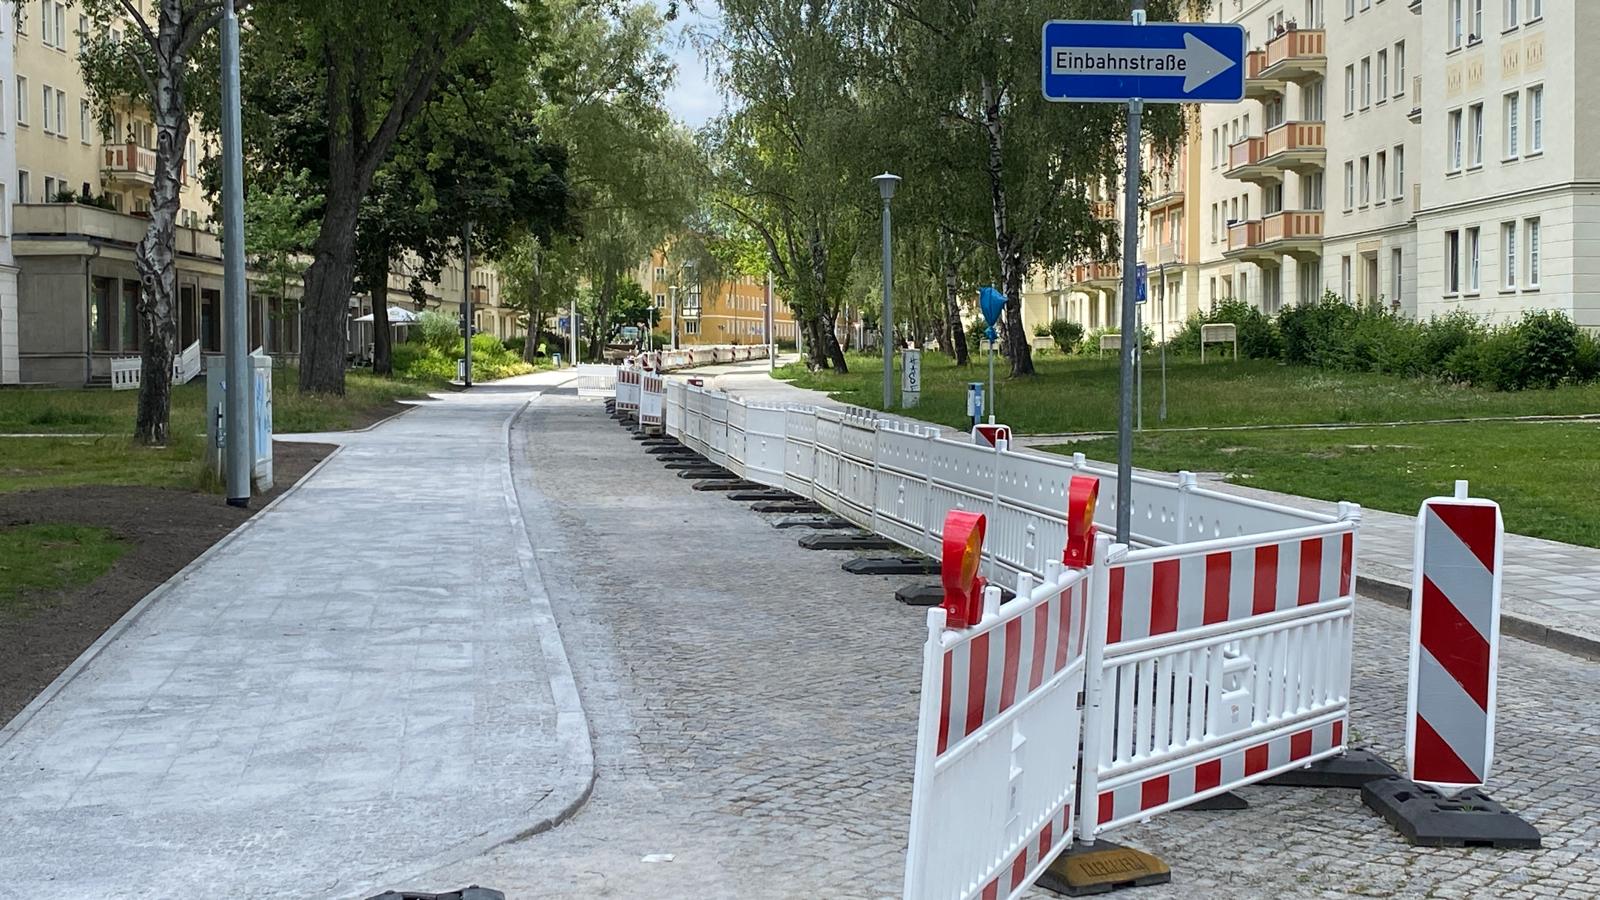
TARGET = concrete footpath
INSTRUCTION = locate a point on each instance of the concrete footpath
(362, 683)
(1552, 590)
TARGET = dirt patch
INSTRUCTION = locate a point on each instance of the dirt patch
(166, 528)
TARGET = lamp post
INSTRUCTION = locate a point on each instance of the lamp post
(238, 424)
(886, 186)
(672, 312)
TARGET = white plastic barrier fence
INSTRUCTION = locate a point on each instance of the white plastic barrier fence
(596, 380)
(652, 400)
(1216, 665)
(628, 389)
(127, 372)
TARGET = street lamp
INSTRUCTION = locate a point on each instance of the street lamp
(672, 311)
(886, 186)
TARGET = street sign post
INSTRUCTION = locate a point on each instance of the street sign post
(910, 377)
(1134, 63)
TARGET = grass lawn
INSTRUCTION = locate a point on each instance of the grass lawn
(47, 557)
(1544, 475)
(112, 412)
(1073, 394)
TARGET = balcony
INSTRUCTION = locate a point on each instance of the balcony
(130, 163)
(1256, 85)
(43, 225)
(1296, 55)
(1168, 196)
(1096, 275)
(1298, 147)
(1168, 253)
(1296, 233)
(1415, 115)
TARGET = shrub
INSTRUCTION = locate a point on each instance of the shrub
(1066, 334)
(1041, 330)
(1586, 360)
(516, 344)
(977, 336)
(440, 331)
(1549, 343)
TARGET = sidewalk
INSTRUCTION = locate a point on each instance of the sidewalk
(1552, 590)
(361, 683)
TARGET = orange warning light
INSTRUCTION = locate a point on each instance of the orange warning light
(1082, 494)
(962, 551)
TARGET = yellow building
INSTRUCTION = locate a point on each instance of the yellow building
(725, 311)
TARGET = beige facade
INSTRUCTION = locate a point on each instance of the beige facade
(725, 311)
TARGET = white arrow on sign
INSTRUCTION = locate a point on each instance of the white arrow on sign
(1197, 63)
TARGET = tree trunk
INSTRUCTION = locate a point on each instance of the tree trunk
(1015, 337)
(155, 255)
(378, 287)
(952, 314)
(601, 335)
(1012, 263)
(326, 306)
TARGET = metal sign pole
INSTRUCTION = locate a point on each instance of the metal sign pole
(993, 400)
(1138, 366)
(772, 340)
(1130, 293)
(236, 328)
(1161, 414)
(466, 303)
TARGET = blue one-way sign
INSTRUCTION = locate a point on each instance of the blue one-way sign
(1181, 62)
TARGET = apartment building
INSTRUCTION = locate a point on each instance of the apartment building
(1419, 154)
(724, 311)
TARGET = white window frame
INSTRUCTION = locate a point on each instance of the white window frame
(1474, 242)
(1366, 181)
(1349, 185)
(84, 120)
(1400, 68)
(1383, 75)
(1534, 237)
(22, 100)
(1508, 14)
(1452, 263)
(1397, 262)
(1455, 24)
(1508, 240)
(1475, 136)
(1453, 141)
(1350, 90)
(1475, 35)
(1535, 116)
(1380, 175)
(1366, 82)
(24, 186)
(1535, 11)
(48, 95)
(61, 113)
(1398, 157)
(1512, 135)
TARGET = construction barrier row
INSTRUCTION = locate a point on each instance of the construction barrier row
(1213, 653)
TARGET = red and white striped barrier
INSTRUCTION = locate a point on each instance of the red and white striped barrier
(991, 435)
(1455, 641)
(1223, 663)
(996, 771)
(652, 400)
(628, 395)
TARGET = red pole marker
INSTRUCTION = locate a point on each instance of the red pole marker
(962, 551)
(1455, 641)
(1083, 492)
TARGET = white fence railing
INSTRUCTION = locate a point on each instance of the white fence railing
(127, 372)
(1217, 654)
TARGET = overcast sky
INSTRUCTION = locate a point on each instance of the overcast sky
(694, 98)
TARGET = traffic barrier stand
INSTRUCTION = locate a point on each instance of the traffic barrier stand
(891, 565)
(995, 782)
(1450, 701)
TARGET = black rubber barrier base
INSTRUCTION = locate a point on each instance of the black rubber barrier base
(693, 462)
(657, 440)
(786, 506)
(847, 542)
(920, 594)
(1102, 867)
(469, 893)
(1428, 818)
(708, 473)
(1352, 770)
(670, 450)
(1225, 801)
(819, 522)
(892, 565)
(764, 494)
(725, 485)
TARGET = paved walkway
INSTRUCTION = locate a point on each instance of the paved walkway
(363, 682)
(1552, 590)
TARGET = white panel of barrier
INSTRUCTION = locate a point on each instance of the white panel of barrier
(996, 776)
(1221, 663)
(652, 400)
(961, 475)
(825, 477)
(858, 439)
(800, 448)
(717, 427)
(903, 494)
(764, 448)
(736, 435)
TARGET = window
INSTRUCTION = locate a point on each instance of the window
(52, 187)
(1452, 262)
(1473, 245)
(1366, 180)
(1311, 191)
(49, 94)
(1366, 82)
(1513, 126)
(661, 271)
(1396, 275)
(1349, 89)
(1349, 185)
(22, 99)
(1531, 228)
(1455, 21)
(1383, 75)
(47, 34)
(24, 190)
(1510, 20)
(1399, 171)
(1344, 278)
(1381, 164)
(1453, 141)
(661, 301)
(1216, 147)
(83, 120)
(1536, 119)
(61, 113)
(22, 18)
(1535, 10)
(1215, 221)
(1477, 22)
(1508, 245)
(1311, 102)
(1400, 69)
(1475, 134)
(83, 31)
(691, 326)
(1349, 8)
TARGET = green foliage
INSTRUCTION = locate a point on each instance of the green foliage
(436, 330)
(40, 558)
(1067, 334)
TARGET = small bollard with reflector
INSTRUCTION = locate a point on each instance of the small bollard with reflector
(975, 401)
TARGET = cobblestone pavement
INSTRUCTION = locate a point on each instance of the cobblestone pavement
(753, 709)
